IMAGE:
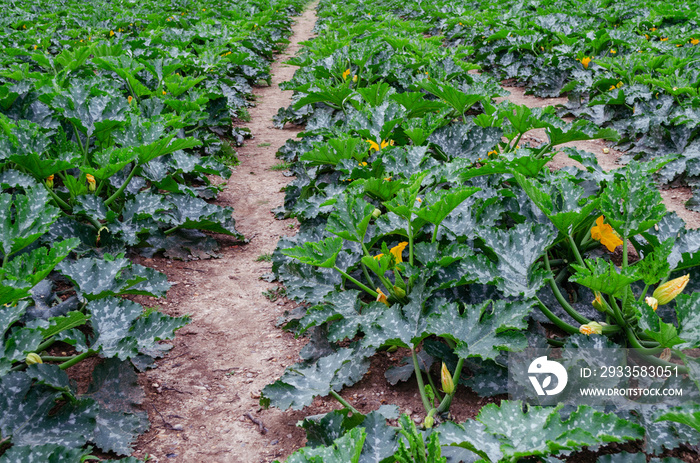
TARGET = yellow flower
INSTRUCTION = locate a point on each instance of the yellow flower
(354, 78)
(448, 385)
(612, 87)
(164, 92)
(49, 181)
(381, 297)
(36, 46)
(604, 233)
(111, 33)
(647, 36)
(386, 143)
(493, 152)
(397, 250)
(668, 291)
(664, 39)
(591, 328)
(653, 29)
(362, 164)
(420, 200)
(387, 179)
(129, 99)
(585, 61)
(613, 52)
(346, 74)
(619, 84)
(694, 41)
(372, 145)
(652, 302)
(91, 182)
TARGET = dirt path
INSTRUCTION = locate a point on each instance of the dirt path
(199, 394)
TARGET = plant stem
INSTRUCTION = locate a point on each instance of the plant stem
(577, 254)
(371, 292)
(419, 379)
(624, 252)
(367, 275)
(76, 359)
(49, 358)
(121, 189)
(561, 324)
(46, 344)
(560, 298)
(58, 200)
(344, 402)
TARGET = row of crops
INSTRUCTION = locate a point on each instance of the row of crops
(426, 226)
(113, 114)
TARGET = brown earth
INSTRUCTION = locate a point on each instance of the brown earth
(202, 399)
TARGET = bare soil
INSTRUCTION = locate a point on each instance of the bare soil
(202, 399)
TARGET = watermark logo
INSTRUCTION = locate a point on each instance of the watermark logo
(541, 367)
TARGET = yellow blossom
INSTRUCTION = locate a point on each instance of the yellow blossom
(585, 61)
(612, 87)
(111, 33)
(668, 291)
(49, 181)
(492, 153)
(591, 328)
(387, 179)
(129, 99)
(372, 145)
(91, 182)
(397, 250)
(604, 233)
(647, 36)
(613, 51)
(33, 358)
(164, 92)
(381, 297)
(694, 41)
(664, 39)
(386, 143)
(653, 29)
(36, 46)
(619, 84)
(652, 302)
(354, 78)
(346, 74)
(362, 164)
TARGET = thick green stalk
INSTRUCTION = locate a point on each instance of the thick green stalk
(561, 324)
(50, 358)
(371, 292)
(46, 344)
(58, 200)
(76, 359)
(121, 189)
(344, 402)
(577, 254)
(367, 275)
(419, 379)
(560, 298)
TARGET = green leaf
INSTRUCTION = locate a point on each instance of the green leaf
(601, 275)
(542, 431)
(112, 319)
(562, 200)
(10, 294)
(47, 453)
(346, 449)
(416, 104)
(164, 146)
(321, 254)
(120, 420)
(688, 313)
(39, 167)
(688, 415)
(518, 250)
(459, 101)
(350, 218)
(189, 212)
(301, 382)
(67, 322)
(109, 162)
(579, 130)
(434, 209)
(485, 330)
(632, 203)
(97, 278)
(24, 218)
(36, 265)
(655, 266)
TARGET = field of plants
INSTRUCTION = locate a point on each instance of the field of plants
(428, 227)
(114, 115)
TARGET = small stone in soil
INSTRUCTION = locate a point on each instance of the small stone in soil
(274, 442)
(178, 427)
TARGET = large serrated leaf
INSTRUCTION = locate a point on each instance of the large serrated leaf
(483, 331)
(34, 266)
(302, 382)
(346, 449)
(518, 250)
(24, 218)
(321, 254)
(350, 218)
(603, 276)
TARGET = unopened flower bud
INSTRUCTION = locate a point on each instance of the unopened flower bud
(399, 292)
(448, 385)
(33, 358)
(591, 328)
(428, 422)
(49, 181)
(669, 290)
(92, 185)
(376, 213)
(652, 302)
